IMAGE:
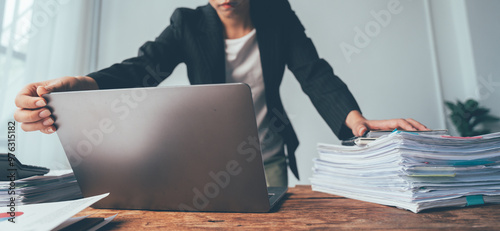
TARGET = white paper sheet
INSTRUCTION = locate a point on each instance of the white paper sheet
(46, 216)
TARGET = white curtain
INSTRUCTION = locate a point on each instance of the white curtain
(60, 41)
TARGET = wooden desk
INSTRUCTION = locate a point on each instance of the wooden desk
(305, 209)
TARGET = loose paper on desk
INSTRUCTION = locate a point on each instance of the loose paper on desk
(45, 216)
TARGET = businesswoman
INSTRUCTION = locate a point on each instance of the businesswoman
(247, 41)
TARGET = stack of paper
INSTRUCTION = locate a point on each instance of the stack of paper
(57, 185)
(413, 171)
(52, 216)
(15, 170)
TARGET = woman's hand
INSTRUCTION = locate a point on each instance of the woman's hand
(360, 125)
(32, 111)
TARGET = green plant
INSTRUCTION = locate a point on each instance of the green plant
(466, 116)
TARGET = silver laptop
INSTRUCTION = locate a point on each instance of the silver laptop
(189, 148)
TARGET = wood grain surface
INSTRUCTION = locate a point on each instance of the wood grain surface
(304, 209)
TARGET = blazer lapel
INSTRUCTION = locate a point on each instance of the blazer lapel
(269, 46)
(267, 53)
(211, 45)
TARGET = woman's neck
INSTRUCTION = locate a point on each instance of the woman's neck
(237, 29)
(237, 25)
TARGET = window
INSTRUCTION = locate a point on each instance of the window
(15, 23)
(35, 38)
(15, 20)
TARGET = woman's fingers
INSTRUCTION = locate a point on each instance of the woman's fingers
(403, 124)
(417, 125)
(45, 125)
(31, 115)
(28, 97)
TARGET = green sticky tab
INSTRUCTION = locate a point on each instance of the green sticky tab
(472, 162)
(474, 200)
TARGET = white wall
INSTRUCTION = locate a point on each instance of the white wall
(467, 34)
(454, 55)
(484, 18)
(396, 74)
(391, 77)
(127, 24)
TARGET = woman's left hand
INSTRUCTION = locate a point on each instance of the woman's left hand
(360, 125)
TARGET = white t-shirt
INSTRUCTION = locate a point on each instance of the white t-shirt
(243, 65)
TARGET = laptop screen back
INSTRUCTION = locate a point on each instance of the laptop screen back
(193, 148)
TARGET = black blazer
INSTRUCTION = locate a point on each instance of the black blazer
(196, 38)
